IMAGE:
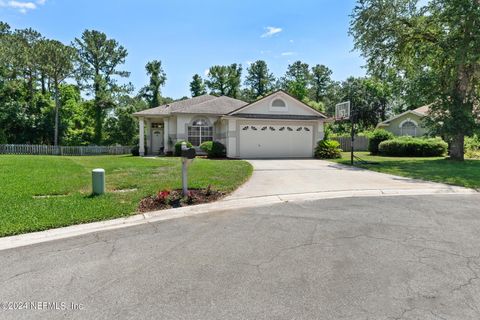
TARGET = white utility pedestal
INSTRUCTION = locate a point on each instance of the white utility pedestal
(98, 181)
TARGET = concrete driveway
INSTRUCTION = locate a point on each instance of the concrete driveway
(308, 176)
(402, 257)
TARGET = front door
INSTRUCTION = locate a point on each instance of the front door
(157, 138)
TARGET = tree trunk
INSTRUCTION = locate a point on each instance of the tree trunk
(97, 134)
(57, 109)
(457, 147)
(98, 124)
(44, 88)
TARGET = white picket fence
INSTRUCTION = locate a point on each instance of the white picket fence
(31, 149)
(361, 143)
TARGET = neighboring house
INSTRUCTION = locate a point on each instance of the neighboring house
(409, 123)
(276, 126)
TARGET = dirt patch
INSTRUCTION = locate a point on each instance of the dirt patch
(174, 199)
(46, 196)
(125, 190)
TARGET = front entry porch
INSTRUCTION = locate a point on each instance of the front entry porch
(153, 136)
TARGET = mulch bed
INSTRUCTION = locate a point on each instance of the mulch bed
(175, 199)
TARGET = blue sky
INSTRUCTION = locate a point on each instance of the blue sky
(190, 36)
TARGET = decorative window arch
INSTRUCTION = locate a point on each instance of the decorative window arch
(408, 127)
(199, 131)
(278, 103)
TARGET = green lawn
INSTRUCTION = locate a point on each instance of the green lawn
(466, 174)
(23, 178)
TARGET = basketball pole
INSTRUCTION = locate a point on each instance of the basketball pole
(353, 138)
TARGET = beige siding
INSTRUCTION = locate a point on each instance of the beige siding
(394, 125)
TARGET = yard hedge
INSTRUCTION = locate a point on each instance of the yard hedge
(214, 149)
(413, 147)
(178, 147)
(376, 137)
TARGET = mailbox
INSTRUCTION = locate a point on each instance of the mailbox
(189, 153)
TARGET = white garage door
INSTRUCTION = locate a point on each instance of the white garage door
(263, 140)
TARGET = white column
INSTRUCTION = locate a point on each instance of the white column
(148, 131)
(165, 135)
(141, 136)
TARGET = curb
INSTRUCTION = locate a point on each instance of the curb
(223, 205)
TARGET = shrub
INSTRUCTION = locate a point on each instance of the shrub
(214, 149)
(178, 147)
(328, 149)
(472, 147)
(413, 147)
(376, 137)
(136, 151)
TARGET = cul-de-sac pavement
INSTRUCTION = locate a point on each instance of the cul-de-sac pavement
(340, 243)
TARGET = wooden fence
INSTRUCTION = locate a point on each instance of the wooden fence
(63, 150)
(361, 143)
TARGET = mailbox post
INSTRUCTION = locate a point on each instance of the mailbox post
(188, 154)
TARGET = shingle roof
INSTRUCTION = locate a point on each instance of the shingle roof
(205, 104)
(423, 110)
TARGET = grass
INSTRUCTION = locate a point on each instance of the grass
(465, 174)
(67, 180)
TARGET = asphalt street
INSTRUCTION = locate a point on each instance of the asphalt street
(404, 257)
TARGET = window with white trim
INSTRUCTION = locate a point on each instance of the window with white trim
(409, 128)
(199, 132)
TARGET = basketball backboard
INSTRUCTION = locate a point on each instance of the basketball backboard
(342, 111)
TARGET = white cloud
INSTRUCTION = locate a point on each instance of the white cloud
(22, 6)
(271, 31)
(206, 72)
(288, 53)
(291, 41)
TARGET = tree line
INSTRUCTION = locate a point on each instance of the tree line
(374, 98)
(53, 93)
(78, 93)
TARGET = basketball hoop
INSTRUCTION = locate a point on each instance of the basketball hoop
(342, 111)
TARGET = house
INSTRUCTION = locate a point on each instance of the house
(276, 126)
(409, 123)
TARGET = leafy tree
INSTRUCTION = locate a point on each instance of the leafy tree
(320, 80)
(97, 69)
(121, 127)
(157, 80)
(197, 87)
(259, 80)
(296, 80)
(234, 80)
(217, 80)
(58, 65)
(332, 97)
(319, 106)
(366, 101)
(225, 80)
(437, 43)
(25, 55)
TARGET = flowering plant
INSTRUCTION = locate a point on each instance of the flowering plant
(163, 196)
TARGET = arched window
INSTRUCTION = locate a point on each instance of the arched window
(200, 131)
(279, 103)
(408, 128)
